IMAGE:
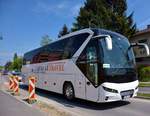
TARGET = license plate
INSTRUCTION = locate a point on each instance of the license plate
(126, 94)
(125, 97)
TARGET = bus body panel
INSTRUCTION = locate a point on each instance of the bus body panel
(92, 93)
(80, 90)
(53, 81)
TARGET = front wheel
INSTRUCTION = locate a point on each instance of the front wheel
(69, 91)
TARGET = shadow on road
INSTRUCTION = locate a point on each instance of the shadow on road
(77, 102)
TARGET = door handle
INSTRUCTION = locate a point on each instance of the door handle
(88, 83)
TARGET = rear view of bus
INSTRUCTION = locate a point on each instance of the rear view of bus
(99, 66)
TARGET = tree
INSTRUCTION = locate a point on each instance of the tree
(16, 64)
(15, 56)
(107, 14)
(63, 31)
(8, 65)
(45, 40)
(1, 68)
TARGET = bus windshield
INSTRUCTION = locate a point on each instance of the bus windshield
(119, 60)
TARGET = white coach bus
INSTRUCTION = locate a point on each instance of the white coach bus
(92, 64)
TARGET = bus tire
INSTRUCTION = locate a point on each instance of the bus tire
(68, 91)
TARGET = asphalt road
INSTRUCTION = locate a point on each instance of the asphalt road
(131, 107)
(9, 106)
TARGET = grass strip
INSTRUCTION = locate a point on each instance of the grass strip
(142, 84)
(143, 95)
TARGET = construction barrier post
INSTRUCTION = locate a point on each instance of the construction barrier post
(16, 86)
(11, 83)
(32, 97)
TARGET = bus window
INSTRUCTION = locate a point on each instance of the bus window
(40, 57)
(92, 65)
(88, 62)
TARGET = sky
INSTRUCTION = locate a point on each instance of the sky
(24, 22)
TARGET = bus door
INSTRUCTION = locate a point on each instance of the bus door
(88, 64)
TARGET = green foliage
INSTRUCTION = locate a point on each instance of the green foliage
(144, 95)
(144, 74)
(15, 56)
(1, 67)
(63, 31)
(45, 40)
(144, 84)
(107, 14)
(15, 65)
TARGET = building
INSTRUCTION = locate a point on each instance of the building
(142, 36)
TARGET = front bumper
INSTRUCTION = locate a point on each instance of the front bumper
(125, 91)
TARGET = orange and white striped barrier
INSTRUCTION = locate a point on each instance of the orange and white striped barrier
(16, 85)
(11, 83)
(32, 96)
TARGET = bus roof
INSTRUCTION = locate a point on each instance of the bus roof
(98, 31)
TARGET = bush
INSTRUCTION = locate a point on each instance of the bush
(144, 73)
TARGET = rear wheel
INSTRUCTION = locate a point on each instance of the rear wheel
(68, 91)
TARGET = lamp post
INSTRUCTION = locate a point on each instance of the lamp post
(1, 38)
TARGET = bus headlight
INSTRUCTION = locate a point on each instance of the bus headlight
(110, 90)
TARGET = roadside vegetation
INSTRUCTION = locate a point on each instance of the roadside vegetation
(144, 84)
(15, 64)
(1, 67)
(144, 95)
(144, 73)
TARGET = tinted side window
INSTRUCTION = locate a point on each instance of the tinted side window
(75, 43)
(41, 57)
(63, 49)
(56, 50)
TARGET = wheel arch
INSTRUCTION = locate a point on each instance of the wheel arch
(65, 83)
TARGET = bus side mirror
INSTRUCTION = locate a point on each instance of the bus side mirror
(142, 45)
(108, 41)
